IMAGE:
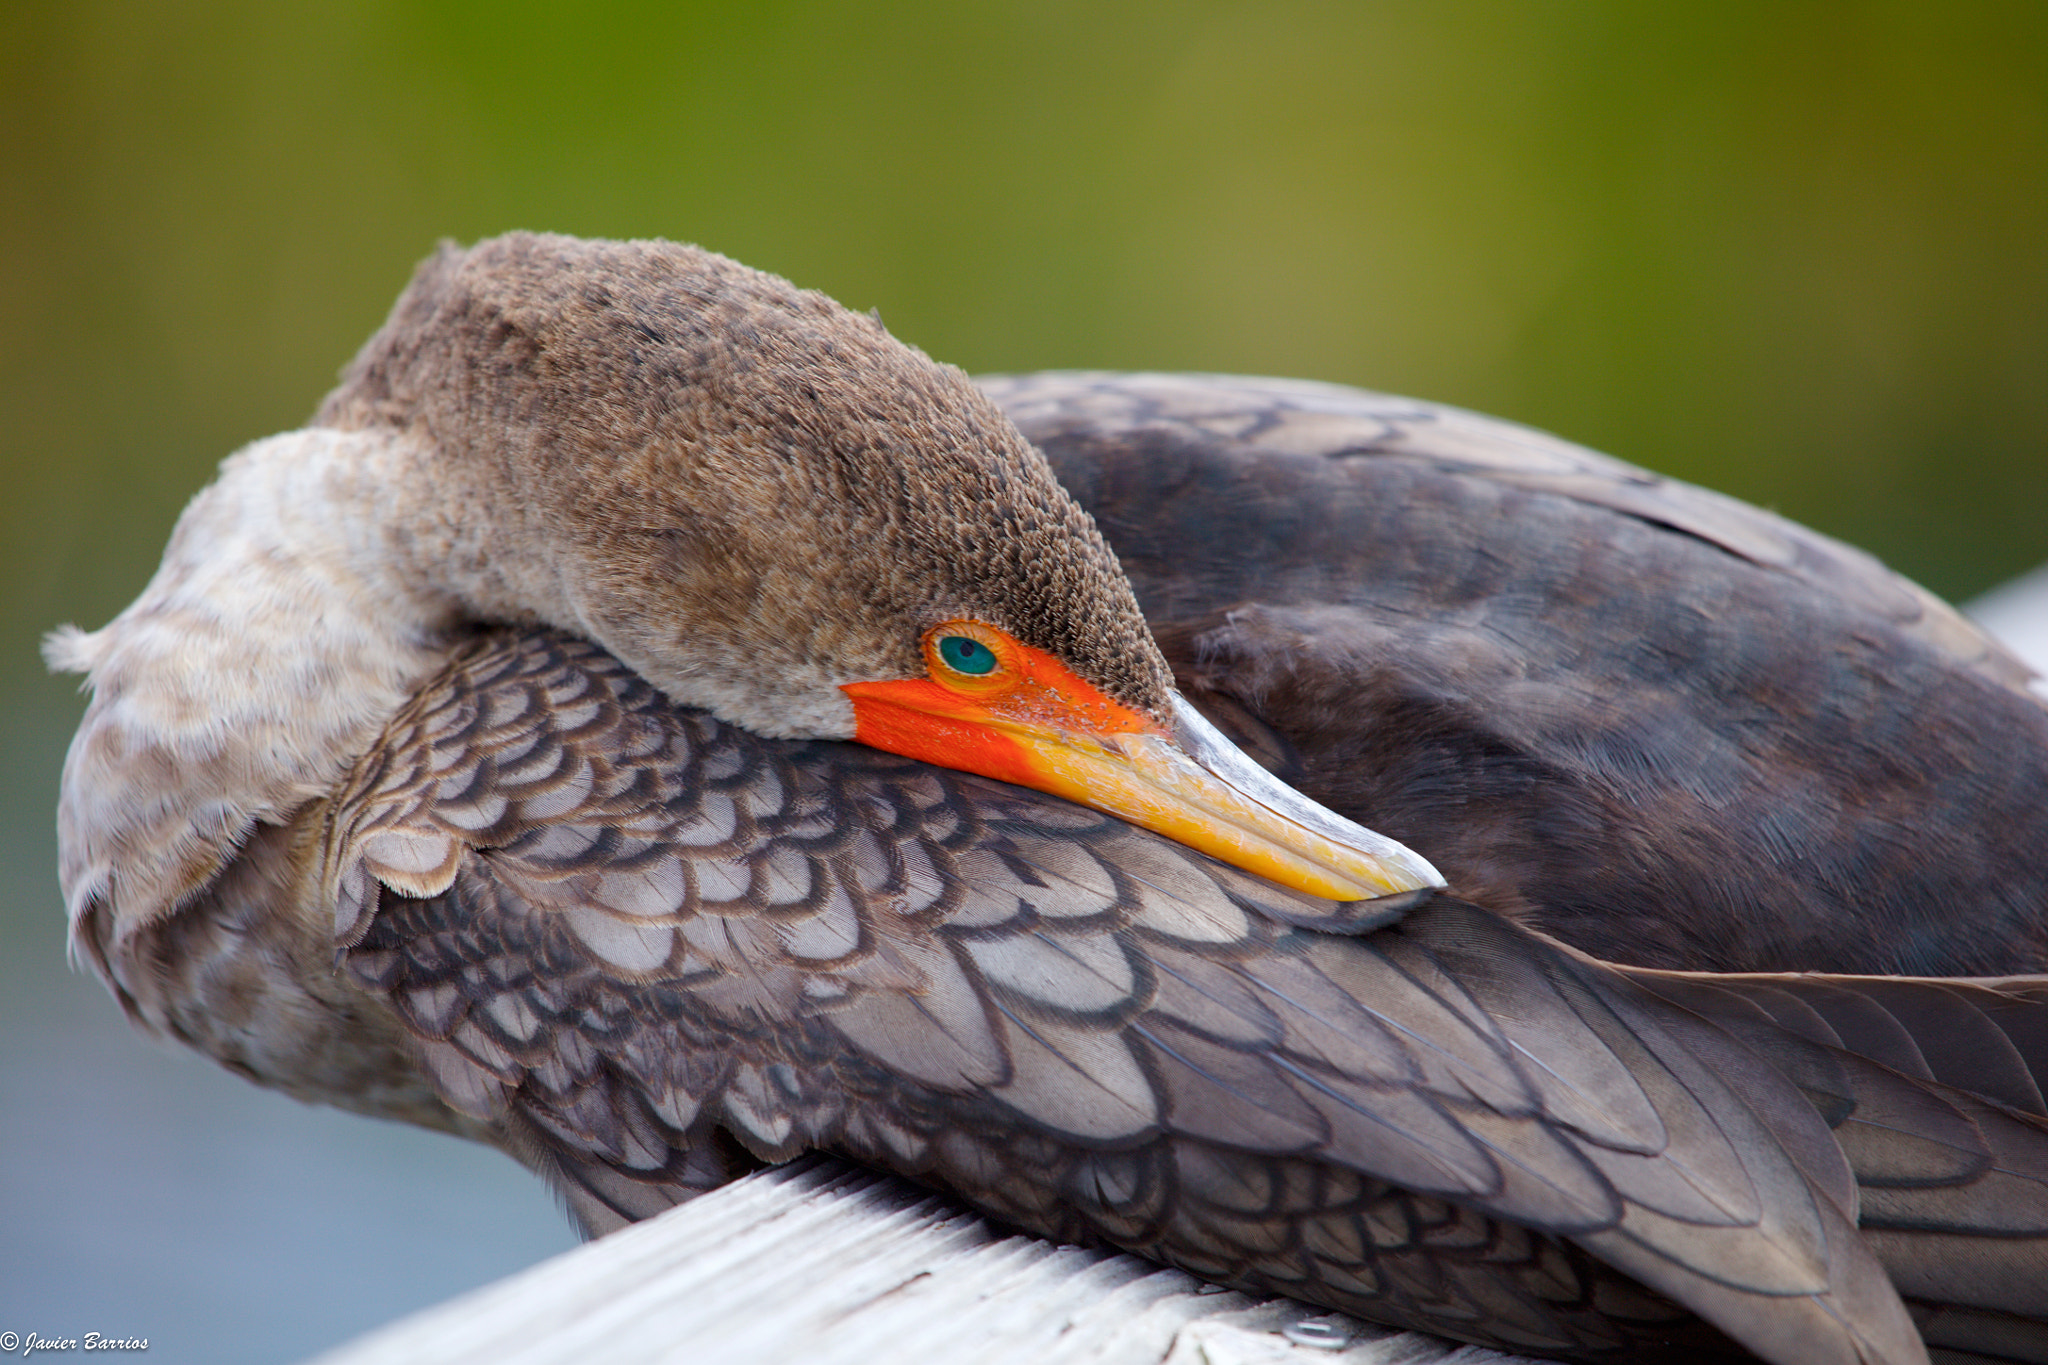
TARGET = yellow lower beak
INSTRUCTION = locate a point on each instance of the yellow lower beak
(1198, 789)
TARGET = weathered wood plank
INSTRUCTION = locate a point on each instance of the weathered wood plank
(819, 1262)
(2017, 613)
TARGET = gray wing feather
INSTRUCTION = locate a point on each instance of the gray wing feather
(663, 950)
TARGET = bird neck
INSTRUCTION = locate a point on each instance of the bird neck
(288, 621)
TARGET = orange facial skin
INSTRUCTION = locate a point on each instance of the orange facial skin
(1027, 718)
(975, 722)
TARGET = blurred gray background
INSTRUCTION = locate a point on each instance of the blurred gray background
(1795, 251)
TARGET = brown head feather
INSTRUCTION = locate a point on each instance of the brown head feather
(746, 478)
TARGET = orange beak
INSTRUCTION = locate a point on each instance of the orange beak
(1031, 720)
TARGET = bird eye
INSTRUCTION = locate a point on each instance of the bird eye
(965, 654)
(971, 657)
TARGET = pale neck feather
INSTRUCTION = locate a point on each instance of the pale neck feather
(288, 621)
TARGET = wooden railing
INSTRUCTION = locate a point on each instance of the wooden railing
(824, 1264)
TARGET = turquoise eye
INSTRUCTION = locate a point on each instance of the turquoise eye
(965, 654)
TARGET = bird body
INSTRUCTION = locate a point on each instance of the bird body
(478, 758)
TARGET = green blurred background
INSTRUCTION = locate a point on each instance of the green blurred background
(1797, 251)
